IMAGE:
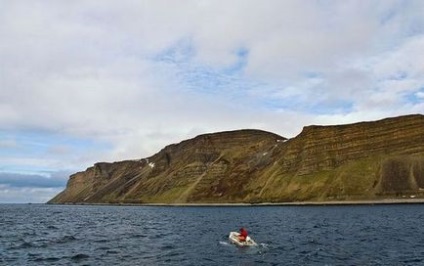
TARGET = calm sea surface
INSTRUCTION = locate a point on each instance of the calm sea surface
(135, 235)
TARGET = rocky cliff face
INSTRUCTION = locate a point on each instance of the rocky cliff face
(358, 161)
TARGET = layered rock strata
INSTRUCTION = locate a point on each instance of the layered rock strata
(364, 160)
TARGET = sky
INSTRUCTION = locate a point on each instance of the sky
(89, 81)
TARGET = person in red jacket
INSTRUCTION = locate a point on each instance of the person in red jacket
(243, 235)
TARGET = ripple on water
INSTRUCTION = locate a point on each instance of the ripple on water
(33, 235)
(64, 239)
(138, 236)
(47, 259)
(79, 257)
(52, 227)
(112, 251)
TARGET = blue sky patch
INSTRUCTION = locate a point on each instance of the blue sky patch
(30, 146)
(414, 97)
(179, 53)
(31, 180)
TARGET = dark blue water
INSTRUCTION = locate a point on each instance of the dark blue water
(135, 235)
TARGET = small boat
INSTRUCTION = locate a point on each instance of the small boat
(234, 238)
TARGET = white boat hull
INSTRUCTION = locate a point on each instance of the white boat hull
(234, 238)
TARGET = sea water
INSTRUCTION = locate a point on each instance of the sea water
(40, 234)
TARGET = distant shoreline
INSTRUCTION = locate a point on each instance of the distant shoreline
(296, 203)
(262, 204)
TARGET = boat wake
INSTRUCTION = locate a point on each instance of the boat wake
(260, 248)
(263, 245)
(224, 243)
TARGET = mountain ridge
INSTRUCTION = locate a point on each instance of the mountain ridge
(364, 160)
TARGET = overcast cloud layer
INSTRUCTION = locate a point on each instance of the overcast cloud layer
(88, 81)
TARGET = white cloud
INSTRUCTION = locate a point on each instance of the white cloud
(140, 75)
(27, 195)
(8, 143)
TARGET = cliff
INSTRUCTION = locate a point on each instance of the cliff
(366, 160)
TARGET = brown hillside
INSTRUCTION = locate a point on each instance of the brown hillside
(357, 161)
